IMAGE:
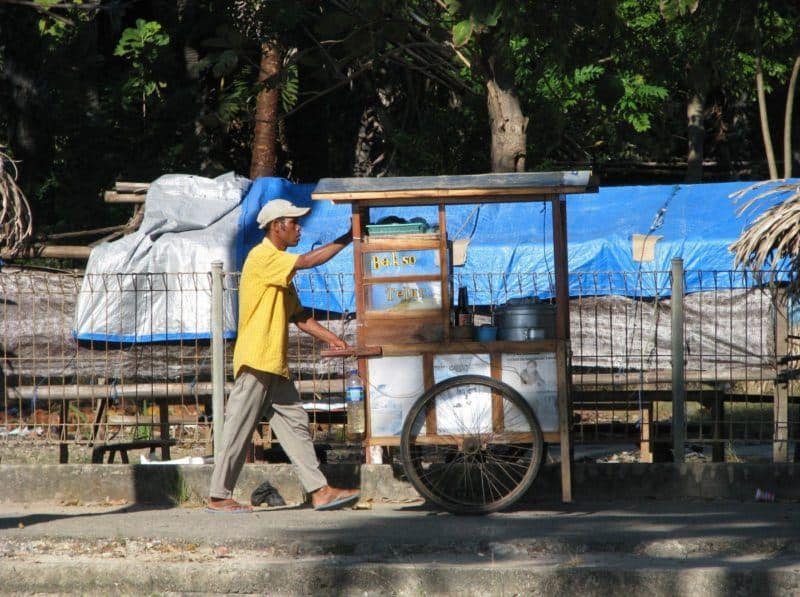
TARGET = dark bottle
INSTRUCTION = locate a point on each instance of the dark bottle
(463, 315)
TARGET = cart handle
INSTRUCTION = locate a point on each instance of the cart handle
(352, 351)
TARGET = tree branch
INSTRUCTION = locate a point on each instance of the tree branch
(787, 121)
(367, 66)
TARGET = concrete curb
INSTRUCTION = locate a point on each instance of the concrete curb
(591, 482)
(334, 577)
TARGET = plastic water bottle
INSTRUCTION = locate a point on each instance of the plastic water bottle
(764, 496)
(354, 399)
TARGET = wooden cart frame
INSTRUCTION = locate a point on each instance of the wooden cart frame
(428, 333)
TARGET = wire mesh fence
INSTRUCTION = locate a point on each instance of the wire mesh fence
(623, 357)
(137, 364)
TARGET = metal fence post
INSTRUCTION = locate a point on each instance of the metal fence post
(217, 356)
(780, 400)
(678, 383)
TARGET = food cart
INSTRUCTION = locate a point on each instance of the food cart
(471, 416)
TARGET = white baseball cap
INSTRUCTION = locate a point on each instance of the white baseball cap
(279, 208)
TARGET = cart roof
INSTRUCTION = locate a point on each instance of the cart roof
(466, 188)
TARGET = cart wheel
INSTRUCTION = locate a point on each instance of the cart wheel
(471, 444)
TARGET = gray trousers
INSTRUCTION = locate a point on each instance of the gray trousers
(254, 395)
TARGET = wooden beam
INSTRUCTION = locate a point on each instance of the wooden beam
(447, 196)
(131, 187)
(467, 347)
(560, 265)
(395, 242)
(93, 232)
(52, 251)
(117, 197)
(475, 185)
(550, 437)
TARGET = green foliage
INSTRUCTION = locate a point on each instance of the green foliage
(225, 63)
(233, 101)
(49, 25)
(140, 46)
(587, 74)
(290, 86)
(462, 32)
(140, 43)
(672, 9)
(481, 15)
(639, 100)
(571, 90)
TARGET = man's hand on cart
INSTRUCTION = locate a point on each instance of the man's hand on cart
(338, 344)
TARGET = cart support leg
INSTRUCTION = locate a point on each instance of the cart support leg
(564, 423)
(559, 207)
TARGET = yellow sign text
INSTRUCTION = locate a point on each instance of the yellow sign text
(392, 260)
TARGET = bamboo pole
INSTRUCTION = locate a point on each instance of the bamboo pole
(149, 390)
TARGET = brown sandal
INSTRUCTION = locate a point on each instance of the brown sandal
(227, 506)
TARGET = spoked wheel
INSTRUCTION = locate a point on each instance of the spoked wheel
(471, 444)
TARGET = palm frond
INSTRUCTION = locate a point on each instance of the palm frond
(15, 213)
(774, 236)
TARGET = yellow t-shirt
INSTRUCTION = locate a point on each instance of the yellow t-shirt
(267, 303)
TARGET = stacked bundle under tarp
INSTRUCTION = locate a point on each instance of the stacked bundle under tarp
(154, 284)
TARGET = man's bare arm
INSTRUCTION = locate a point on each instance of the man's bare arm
(311, 326)
(324, 253)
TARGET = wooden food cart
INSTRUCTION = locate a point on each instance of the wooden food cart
(471, 430)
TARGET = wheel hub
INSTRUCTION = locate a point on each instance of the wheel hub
(472, 445)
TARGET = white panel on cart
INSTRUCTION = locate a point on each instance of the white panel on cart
(394, 384)
(534, 377)
(446, 366)
(458, 410)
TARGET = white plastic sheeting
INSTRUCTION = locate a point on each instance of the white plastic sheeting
(155, 284)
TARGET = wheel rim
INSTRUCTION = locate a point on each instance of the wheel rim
(471, 445)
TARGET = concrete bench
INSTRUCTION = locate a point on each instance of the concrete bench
(98, 452)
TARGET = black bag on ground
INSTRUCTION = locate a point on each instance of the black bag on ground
(266, 494)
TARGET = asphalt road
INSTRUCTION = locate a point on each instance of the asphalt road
(673, 547)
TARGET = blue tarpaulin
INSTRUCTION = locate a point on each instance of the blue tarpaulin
(191, 221)
(695, 222)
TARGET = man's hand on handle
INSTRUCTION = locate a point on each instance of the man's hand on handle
(338, 344)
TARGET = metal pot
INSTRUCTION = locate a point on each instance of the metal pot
(525, 319)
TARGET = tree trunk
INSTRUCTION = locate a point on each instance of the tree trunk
(762, 112)
(369, 133)
(508, 126)
(696, 134)
(787, 122)
(25, 127)
(262, 162)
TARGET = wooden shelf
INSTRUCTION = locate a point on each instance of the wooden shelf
(404, 314)
(401, 242)
(472, 347)
(352, 351)
(376, 280)
(550, 437)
